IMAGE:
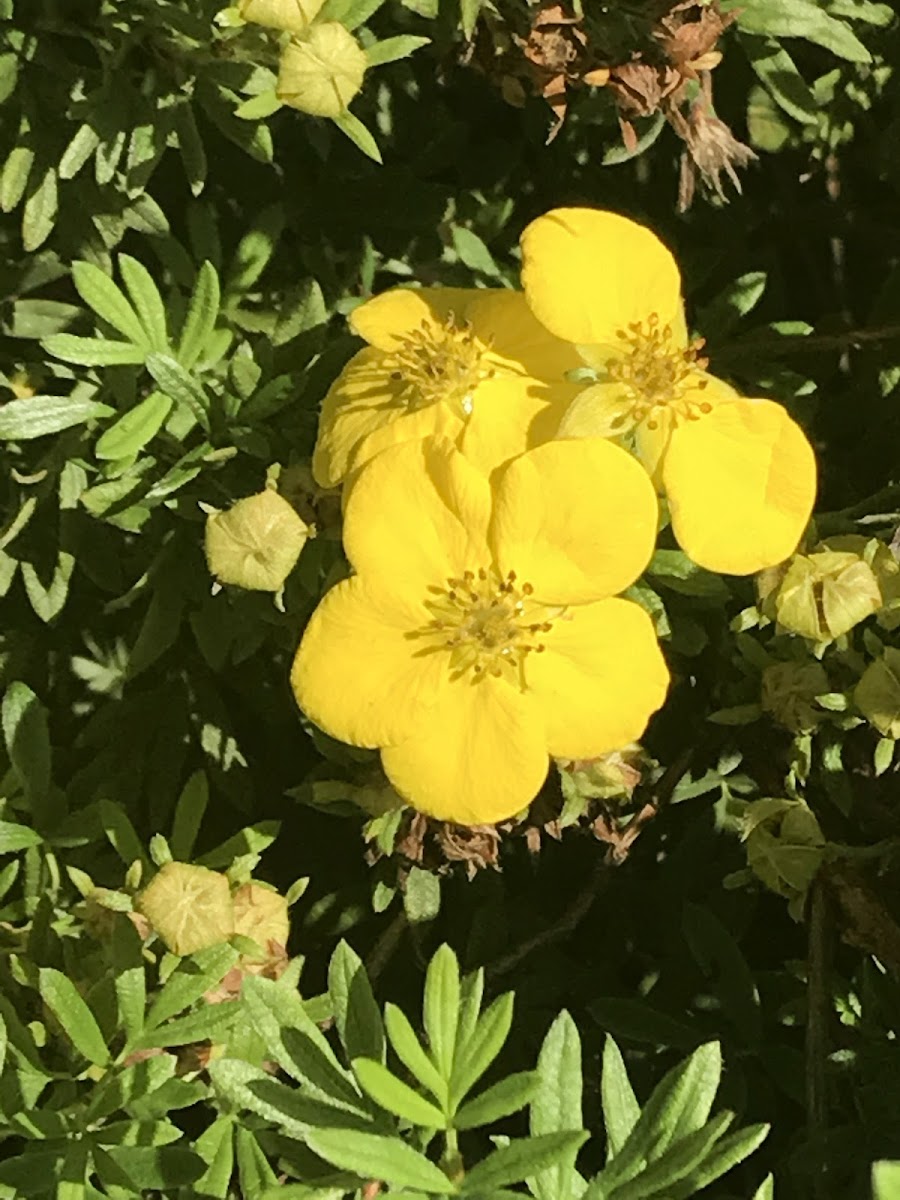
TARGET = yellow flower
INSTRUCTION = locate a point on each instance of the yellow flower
(739, 474)
(472, 365)
(478, 635)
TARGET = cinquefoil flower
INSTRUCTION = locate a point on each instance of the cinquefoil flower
(479, 634)
(472, 365)
(739, 474)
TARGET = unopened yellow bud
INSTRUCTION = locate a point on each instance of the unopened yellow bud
(293, 15)
(189, 908)
(789, 690)
(824, 594)
(262, 914)
(321, 73)
(255, 544)
(877, 695)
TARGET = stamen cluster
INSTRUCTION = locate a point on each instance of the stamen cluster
(489, 624)
(658, 372)
(439, 362)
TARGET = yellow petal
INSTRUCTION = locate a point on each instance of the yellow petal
(480, 758)
(510, 415)
(600, 678)
(589, 273)
(416, 516)
(516, 340)
(741, 484)
(435, 420)
(357, 674)
(575, 519)
(362, 399)
(602, 410)
(395, 314)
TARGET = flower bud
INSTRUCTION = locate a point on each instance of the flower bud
(785, 845)
(885, 567)
(262, 914)
(321, 73)
(612, 776)
(255, 543)
(826, 593)
(293, 15)
(877, 695)
(190, 908)
(789, 690)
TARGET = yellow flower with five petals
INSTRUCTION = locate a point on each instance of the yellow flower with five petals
(469, 364)
(739, 474)
(481, 631)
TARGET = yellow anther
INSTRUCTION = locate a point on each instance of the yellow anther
(439, 362)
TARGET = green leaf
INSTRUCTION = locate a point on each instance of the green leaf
(15, 176)
(781, 78)
(254, 1171)
(372, 1156)
(147, 301)
(473, 252)
(680, 1104)
(394, 48)
(189, 813)
(395, 1096)
(469, 11)
(17, 837)
(411, 1053)
(210, 1023)
(258, 107)
(640, 1022)
(354, 129)
(216, 1147)
(39, 215)
(727, 1154)
(101, 294)
(152, 1167)
(38, 416)
(355, 1011)
(178, 383)
(92, 352)
(507, 1096)
(252, 840)
(82, 145)
(255, 249)
(482, 1047)
(421, 896)
(520, 1159)
(191, 978)
(685, 1156)
(134, 429)
(801, 19)
(718, 955)
(885, 1180)
(440, 1008)
(27, 740)
(121, 833)
(620, 1107)
(556, 1106)
(79, 1024)
(203, 310)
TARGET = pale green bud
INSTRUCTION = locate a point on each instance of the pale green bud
(188, 907)
(785, 845)
(789, 690)
(262, 914)
(322, 72)
(295, 16)
(826, 593)
(877, 695)
(255, 544)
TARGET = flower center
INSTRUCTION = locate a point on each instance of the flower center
(439, 362)
(489, 624)
(659, 374)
